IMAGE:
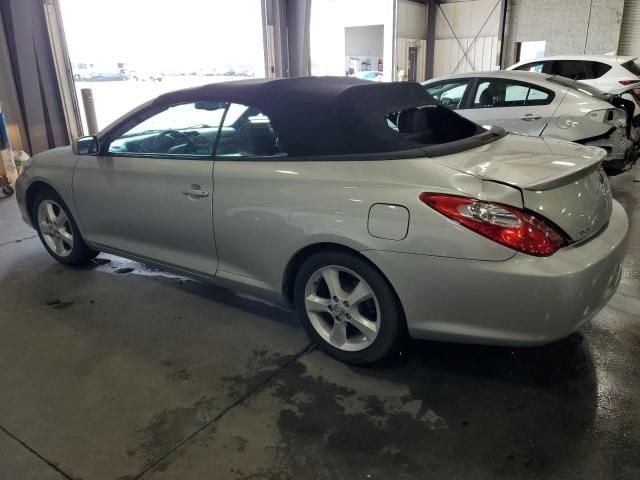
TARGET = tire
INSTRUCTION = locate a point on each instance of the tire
(324, 319)
(64, 231)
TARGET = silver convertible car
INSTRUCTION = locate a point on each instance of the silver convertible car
(373, 210)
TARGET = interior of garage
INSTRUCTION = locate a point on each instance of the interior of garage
(118, 369)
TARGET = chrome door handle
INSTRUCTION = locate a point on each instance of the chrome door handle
(195, 191)
(529, 117)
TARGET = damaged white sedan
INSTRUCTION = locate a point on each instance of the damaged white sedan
(538, 104)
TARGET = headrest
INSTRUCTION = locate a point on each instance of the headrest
(413, 120)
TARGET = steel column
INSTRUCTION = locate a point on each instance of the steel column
(431, 39)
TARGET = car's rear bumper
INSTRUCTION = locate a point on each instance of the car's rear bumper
(521, 301)
(621, 150)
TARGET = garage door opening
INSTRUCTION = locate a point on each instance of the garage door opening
(352, 37)
(530, 50)
(128, 52)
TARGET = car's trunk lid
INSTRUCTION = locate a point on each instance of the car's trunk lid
(561, 181)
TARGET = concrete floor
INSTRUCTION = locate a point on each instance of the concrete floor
(117, 371)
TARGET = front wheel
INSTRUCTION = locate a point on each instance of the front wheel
(58, 231)
(348, 307)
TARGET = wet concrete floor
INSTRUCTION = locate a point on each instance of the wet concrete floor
(120, 371)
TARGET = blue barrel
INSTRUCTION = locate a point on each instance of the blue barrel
(4, 136)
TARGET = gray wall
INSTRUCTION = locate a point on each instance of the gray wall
(365, 41)
(566, 25)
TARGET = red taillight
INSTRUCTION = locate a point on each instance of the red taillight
(507, 225)
(629, 82)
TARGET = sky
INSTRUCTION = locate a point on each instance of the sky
(162, 35)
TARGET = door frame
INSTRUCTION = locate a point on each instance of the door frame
(63, 70)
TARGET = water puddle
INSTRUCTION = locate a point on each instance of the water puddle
(122, 266)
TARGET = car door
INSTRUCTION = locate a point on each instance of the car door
(516, 106)
(149, 191)
(252, 172)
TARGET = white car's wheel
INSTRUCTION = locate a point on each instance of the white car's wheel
(348, 308)
(58, 231)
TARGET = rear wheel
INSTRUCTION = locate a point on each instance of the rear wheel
(348, 308)
(58, 231)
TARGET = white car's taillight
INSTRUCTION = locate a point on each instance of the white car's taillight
(510, 226)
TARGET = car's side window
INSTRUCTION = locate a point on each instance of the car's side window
(450, 93)
(574, 69)
(503, 93)
(537, 97)
(599, 69)
(186, 129)
(247, 132)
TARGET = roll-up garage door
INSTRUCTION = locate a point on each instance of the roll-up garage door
(630, 29)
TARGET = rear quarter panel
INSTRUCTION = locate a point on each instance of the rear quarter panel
(571, 120)
(266, 211)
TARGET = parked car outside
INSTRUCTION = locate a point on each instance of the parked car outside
(605, 72)
(144, 76)
(82, 71)
(371, 75)
(372, 209)
(548, 106)
(108, 76)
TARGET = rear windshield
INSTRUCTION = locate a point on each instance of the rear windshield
(633, 66)
(578, 69)
(439, 131)
(577, 85)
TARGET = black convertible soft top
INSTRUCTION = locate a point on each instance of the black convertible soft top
(342, 115)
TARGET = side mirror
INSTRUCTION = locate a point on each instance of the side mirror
(86, 145)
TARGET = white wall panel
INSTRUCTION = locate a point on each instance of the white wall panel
(475, 24)
(411, 20)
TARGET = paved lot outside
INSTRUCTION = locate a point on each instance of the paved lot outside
(113, 99)
(119, 371)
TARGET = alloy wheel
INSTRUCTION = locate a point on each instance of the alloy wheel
(342, 308)
(55, 228)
